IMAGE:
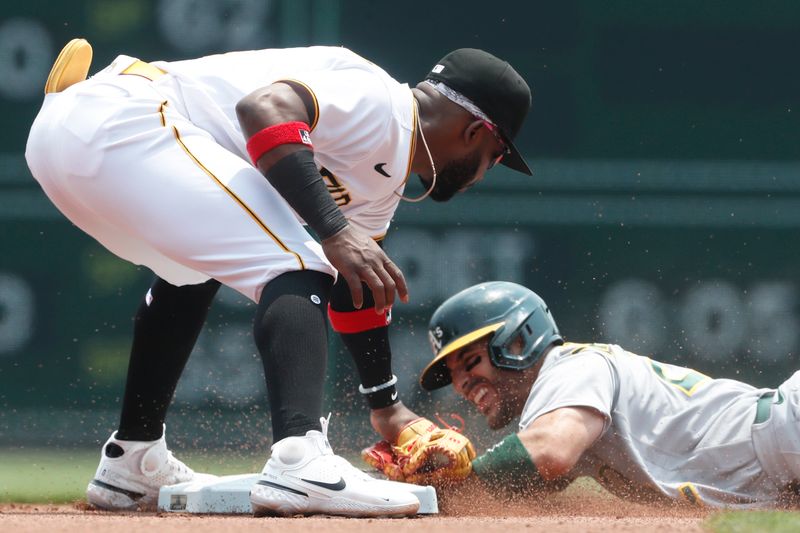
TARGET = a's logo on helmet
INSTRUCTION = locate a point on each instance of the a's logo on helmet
(435, 336)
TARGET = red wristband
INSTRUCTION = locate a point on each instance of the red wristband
(272, 136)
(358, 321)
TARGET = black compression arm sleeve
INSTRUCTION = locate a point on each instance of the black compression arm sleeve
(297, 179)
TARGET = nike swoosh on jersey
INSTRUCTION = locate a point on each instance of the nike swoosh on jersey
(379, 170)
(394, 395)
(339, 485)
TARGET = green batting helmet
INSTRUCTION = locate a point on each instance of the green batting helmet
(502, 309)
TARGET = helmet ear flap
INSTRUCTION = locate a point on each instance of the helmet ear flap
(520, 348)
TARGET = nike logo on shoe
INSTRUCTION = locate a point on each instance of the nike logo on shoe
(339, 485)
(280, 487)
(379, 169)
(133, 495)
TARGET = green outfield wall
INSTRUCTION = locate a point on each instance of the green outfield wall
(662, 214)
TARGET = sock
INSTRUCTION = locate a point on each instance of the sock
(291, 332)
(166, 328)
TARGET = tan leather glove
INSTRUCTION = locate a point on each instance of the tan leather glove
(424, 454)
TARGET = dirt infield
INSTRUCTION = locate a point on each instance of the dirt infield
(577, 512)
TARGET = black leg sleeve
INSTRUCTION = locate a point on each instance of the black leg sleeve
(166, 328)
(291, 332)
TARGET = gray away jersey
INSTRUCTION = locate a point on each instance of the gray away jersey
(669, 431)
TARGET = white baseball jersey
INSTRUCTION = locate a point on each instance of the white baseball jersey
(157, 170)
(672, 432)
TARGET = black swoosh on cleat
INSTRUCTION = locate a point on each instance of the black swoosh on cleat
(129, 493)
(339, 485)
(379, 169)
(279, 487)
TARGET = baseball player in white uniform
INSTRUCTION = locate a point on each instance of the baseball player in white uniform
(643, 429)
(212, 171)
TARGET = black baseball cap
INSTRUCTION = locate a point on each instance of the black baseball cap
(495, 87)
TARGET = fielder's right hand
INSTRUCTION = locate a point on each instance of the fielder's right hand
(359, 258)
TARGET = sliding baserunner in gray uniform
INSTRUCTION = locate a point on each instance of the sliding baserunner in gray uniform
(643, 429)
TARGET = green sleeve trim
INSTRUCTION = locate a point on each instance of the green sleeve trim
(507, 466)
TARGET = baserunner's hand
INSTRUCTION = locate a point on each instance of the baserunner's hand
(359, 258)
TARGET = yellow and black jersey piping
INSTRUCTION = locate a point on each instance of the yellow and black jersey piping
(313, 98)
(412, 148)
(230, 193)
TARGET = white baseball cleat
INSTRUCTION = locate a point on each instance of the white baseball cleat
(303, 476)
(131, 473)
